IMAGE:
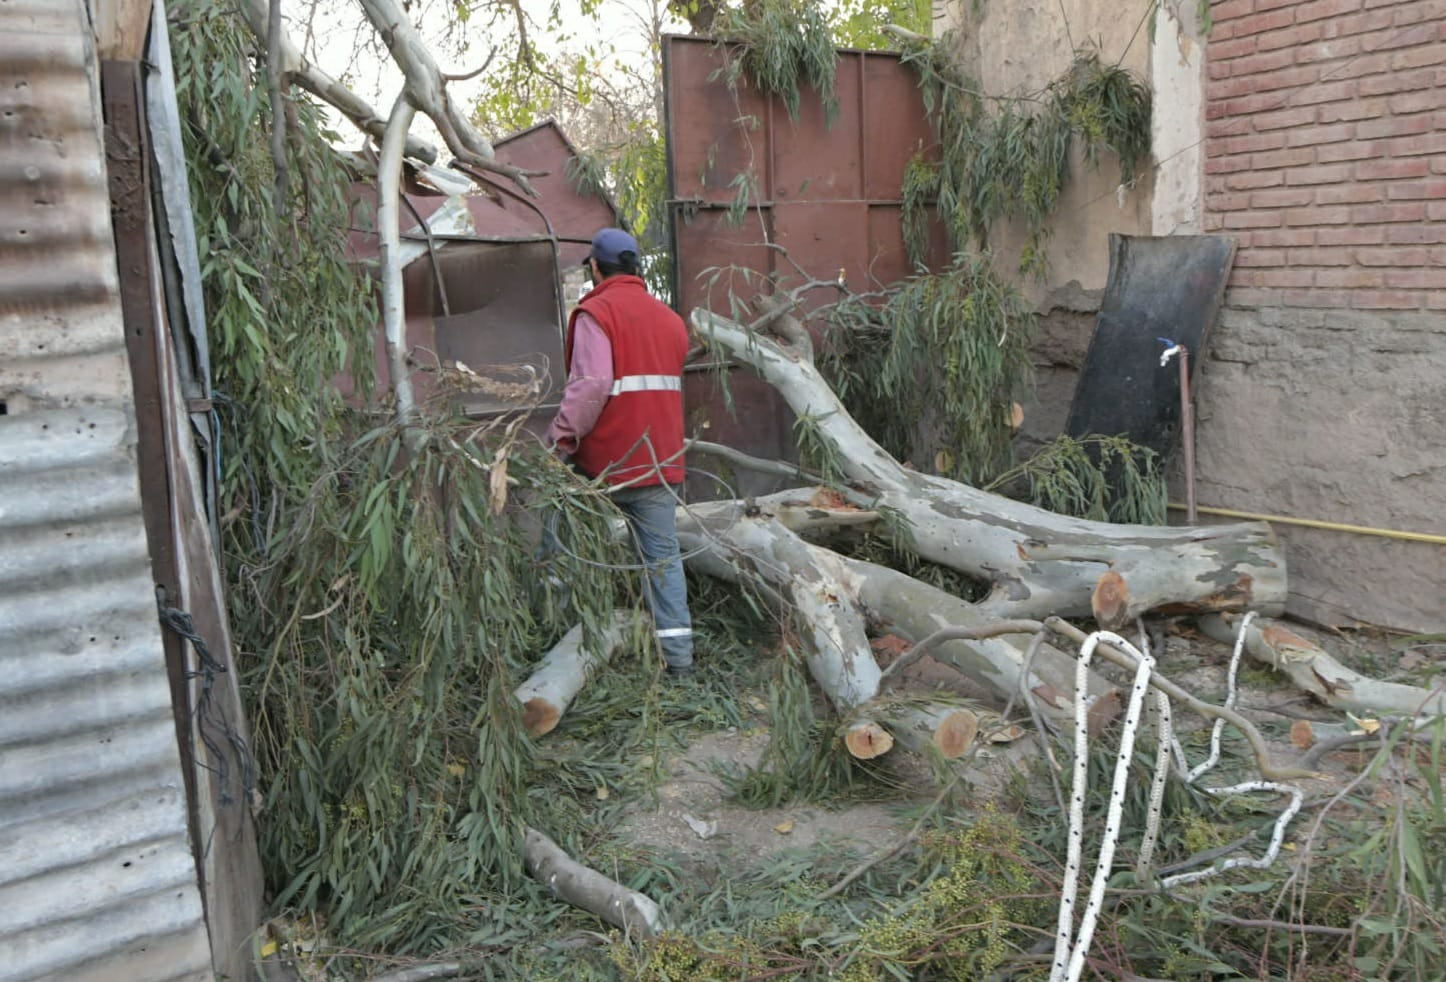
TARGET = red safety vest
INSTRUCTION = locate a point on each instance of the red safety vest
(641, 425)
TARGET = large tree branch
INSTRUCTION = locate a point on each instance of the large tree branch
(427, 90)
(1039, 563)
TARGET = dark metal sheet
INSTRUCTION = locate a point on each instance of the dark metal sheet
(815, 161)
(504, 311)
(713, 134)
(1166, 287)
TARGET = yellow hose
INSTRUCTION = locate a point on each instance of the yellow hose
(1439, 540)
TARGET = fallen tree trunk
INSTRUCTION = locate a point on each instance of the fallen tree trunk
(1315, 671)
(585, 887)
(832, 594)
(563, 671)
(1039, 563)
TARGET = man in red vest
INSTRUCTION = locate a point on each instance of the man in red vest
(621, 419)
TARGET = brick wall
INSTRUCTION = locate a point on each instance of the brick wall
(1325, 151)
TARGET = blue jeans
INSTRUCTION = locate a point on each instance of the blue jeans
(652, 517)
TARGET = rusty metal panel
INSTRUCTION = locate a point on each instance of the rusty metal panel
(829, 194)
(713, 134)
(572, 217)
(97, 877)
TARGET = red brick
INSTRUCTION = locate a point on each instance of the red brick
(1222, 32)
(1391, 257)
(1437, 257)
(1413, 211)
(1270, 20)
(1260, 103)
(1282, 158)
(1315, 298)
(1415, 13)
(1213, 223)
(1218, 69)
(1436, 211)
(1348, 194)
(1274, 4)
(1386, 170)
(1327, 92)
(1417, 102)
(1430, 54)
(1350, 278)
(1252, 219)
(1320, 9)
(1317, 215)
(1230, 9)
(1411, 190)
(1290, 37)
(1284, 118)
(1226, 50)
(1250, 180)
(1371, 129)
(1331, 153)
(1423, 234)
(1357, 67)
(1255, 64)
(1371, 20)
(1333, 50)
(1318, 175)
(1309, 136)
(1215, 110)
(1416, 279)
(1285, 78)
(1284, 277)
(1382, 300)
(1396, 82)
(1227, 165)
(1254, 141)
(1319, 257)
(1284, 198)
(1260, 257)
(1282, 237)
(1438, 165)
(1395, 38)
(1349, 236)
(1436, 301)
(1338, 112)
(1228, 88)
(1227, 202)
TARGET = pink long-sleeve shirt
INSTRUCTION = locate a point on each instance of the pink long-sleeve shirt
(589, 384)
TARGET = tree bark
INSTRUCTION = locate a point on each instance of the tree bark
(563, 672)
(1039, 563)
(832, 595)
(584, 887)
(1314, 670)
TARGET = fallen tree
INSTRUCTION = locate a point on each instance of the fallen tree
(1038, 563)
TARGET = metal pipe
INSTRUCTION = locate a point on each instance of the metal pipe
(1313, 523)
(389, 191)
(1187, 434)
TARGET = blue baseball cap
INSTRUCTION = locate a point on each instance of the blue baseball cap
(609, 245)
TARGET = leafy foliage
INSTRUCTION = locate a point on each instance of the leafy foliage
(780, 46)
(1008, 159)
(1104, 478)
(633, 173)
(932, 373)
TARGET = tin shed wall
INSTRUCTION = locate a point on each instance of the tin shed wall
(97, 876)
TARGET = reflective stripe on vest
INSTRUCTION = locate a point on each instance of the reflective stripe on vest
(647, 383)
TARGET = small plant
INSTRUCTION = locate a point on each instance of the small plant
(1104, 478)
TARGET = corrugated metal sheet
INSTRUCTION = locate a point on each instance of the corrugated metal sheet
(97, 876)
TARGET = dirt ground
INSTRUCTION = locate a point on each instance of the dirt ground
(696, 823)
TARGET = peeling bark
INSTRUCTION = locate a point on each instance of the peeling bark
(1314, 670)
(1039, 563)
(584, 887)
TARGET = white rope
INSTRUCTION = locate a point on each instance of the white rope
(1165, 736)
(1069, 957)
(1230, 696)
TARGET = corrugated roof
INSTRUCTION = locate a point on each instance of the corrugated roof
(97, 876)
